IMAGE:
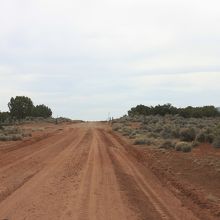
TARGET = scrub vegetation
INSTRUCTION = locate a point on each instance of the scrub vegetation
(21, 108)
(162, 126)
(23, 111)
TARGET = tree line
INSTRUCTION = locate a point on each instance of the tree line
(21, 107)
(188, 112)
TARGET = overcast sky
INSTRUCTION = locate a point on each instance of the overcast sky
(90, 57)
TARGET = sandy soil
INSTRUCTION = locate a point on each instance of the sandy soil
(85, 171)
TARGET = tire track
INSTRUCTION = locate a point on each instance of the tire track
(88, 175)
(41, 149)
(16, 175)
(20, 152)
(98, 195)
(132, 168)
(49, 185)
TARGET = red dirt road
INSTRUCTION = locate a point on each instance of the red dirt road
(82, 172)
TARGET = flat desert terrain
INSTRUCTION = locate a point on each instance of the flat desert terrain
(85, 171)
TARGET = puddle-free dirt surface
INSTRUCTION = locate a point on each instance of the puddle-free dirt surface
(85, 172)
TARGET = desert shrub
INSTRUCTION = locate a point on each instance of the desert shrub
(10, 130)
(3, 137)
(132, 134)
(216, 142)
(158, 127)
(16, 137)
(166, 135)
(127, 123)
(187, 134)
(26, 134)
(150, 141)
(13, 133)
(175, 132)
(140, 141)
(183, 146)
(178, 147)
(186, 148)
(201, 137)
(195, 143)
(8, 137)
(205, 136)
(210, 138)
(153, 135)
(149, 129)
(125, 133)
(116, 127)
(167, 144)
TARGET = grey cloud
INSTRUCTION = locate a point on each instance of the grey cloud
(86, 58)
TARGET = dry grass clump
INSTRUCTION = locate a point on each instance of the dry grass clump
(167, 144)
(10, 137)
(13, 133)
(37, 129)
(5, 138)
(183, 146)
(132, 134)
(16, 137)
(195, 143)
(140, 141)
(26, 134)
(153, 135)
(116, 127)
(59, 120)
(11, 130)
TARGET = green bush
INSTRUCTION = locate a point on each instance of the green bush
(168, 109)
(20, 107)
(41, 111)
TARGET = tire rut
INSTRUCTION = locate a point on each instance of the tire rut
(132, 168)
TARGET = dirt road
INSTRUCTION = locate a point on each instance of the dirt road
(82, 172)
